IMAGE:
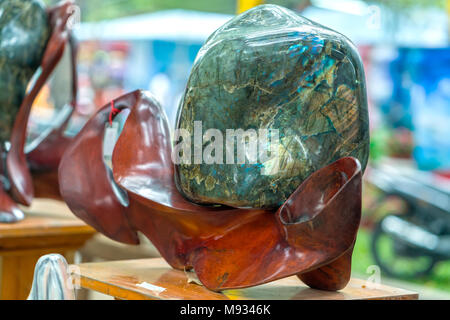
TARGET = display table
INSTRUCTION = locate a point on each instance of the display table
(155, 279)
(40, 233)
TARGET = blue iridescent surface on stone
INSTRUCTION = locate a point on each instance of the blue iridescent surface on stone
(270, 68)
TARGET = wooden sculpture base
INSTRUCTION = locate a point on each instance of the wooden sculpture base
(311, 234)
(24, 242)
(150, 279)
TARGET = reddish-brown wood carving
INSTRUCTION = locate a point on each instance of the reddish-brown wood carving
(44, 159)
(312, 234)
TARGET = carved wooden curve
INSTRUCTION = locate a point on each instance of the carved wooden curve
(44, 159)
(312, 234)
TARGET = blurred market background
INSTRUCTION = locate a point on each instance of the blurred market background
(151, 44)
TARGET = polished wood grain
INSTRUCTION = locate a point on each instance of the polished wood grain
(311, 235)
(24, 242)
(120, 279)
(37, 232)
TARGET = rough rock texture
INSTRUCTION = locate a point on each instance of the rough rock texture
(24, 31)
(270, 68)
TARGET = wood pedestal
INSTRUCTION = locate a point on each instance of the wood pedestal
(24, 242)
(155, 279)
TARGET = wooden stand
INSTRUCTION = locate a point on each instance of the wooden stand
(155, 279)
(23, 243)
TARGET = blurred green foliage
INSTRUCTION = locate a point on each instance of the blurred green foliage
(403, 4)
(362, 259)
(95, 10)
(101, 10)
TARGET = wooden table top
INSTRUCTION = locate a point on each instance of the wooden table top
(48, 227)
(155, 279)
(59, 226)
(32, 226)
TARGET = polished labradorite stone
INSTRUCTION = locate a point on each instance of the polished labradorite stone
(270, 68)
(24, 31)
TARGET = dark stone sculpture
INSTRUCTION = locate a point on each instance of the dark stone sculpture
(24, 32)
(270, 68)
(31, 36)
(311, 235)
(267, 68)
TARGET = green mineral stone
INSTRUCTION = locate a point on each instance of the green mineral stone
(24, 32)
(269, 68)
